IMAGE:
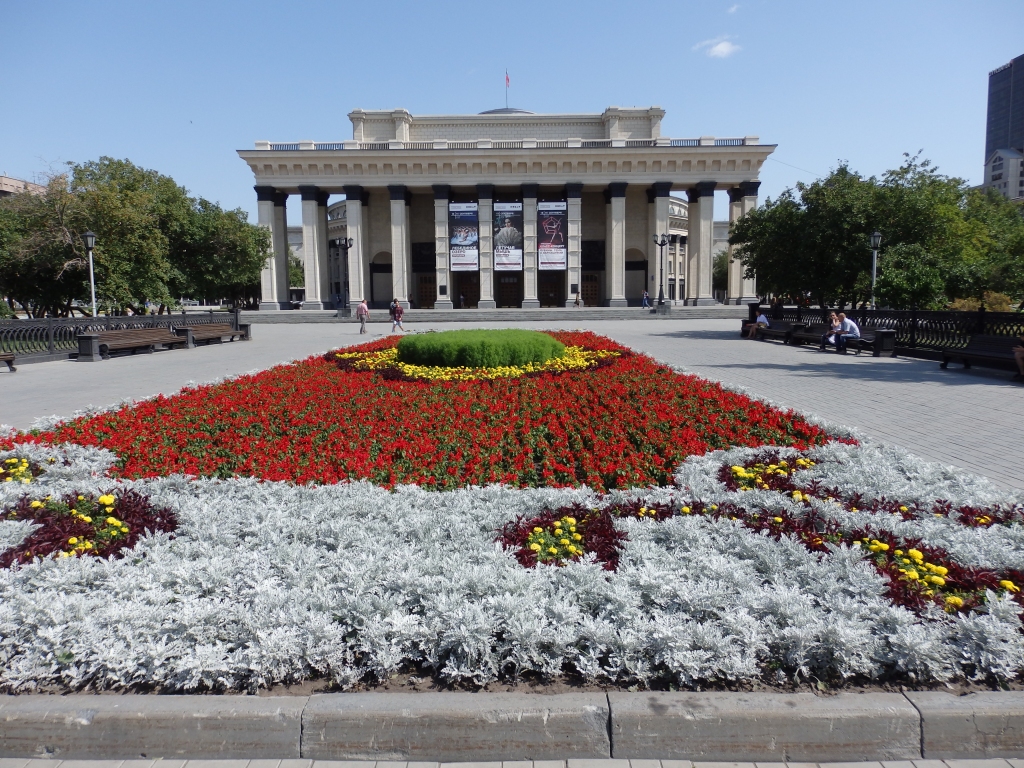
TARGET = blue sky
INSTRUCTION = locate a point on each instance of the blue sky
(179, 86)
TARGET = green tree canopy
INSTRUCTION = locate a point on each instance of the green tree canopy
(154, 242)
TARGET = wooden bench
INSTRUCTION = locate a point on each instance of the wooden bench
(808, 333)
(877, 341)
(215, 332)
(985, 349)
(8, 357)
(779, 329)
(98, 346)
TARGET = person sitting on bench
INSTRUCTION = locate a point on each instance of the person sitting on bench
(761, 322)
(830, 336)
(847, 330)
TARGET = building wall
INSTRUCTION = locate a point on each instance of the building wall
(1005, 123)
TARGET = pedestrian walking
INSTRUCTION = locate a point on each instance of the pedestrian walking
(646, 303)
(396, 317)
(363, 313)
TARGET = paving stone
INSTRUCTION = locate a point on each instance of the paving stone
(13, 762)
(517, 764)
(132, 727)
(929, 764)
(645, 764)
(606, 763)
(262, 764)
(141, 764)
(402, 764)
(217, 764)
(789, 727)
(990, 763)
(455, 727)
(549, 764)
(90, 763)
(469, 765)
(435, 765)
(857, 764)
(701, 764)
(676, 764)
(978, 725)
(343, 764)
(897, 764)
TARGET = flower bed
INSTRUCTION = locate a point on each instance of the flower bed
(646, 536)
(627, 423)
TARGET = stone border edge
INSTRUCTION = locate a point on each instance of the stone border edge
(474, 727)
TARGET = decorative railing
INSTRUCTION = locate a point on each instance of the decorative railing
(570, 143)
(915, 329)
(56, 335)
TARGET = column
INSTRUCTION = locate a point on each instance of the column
(311, 247)
(399, 244)
(274, 276)
(574, 274)
(485, 199)
(357, 233)
(615, 244)
(749, 189)
(323, 251)
(441, 194)
(734, 285)
(530, 300)
(657, 217)
(699, 261)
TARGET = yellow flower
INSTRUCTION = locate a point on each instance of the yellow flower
(124, 529)
(81, 498)
(577, 536)
(1005, 584)
(106, 500)
(36, 504)
(915, 555)
(913, 575)
(685, 510)
(797, 496)
(936, 580)
(113, 521)
(538, 530)
(558, 531)
(953, 602)
(73, 540)
(777, 519)
(553, 550)
(903, 509)
(535, 547)
(85, 519)
(941, 570)
(564, 542)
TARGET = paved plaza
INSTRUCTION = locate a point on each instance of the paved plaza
(970, 419)
(583, 763)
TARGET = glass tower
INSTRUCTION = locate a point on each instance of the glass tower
(1005, 125)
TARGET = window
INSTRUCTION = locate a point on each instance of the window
(996, 176)
(997, 167)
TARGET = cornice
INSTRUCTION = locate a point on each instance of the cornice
(420, 169)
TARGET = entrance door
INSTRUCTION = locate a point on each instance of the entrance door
(426, 290)
(590, 293)
(466, 291)
(551, 287)
(508, 289)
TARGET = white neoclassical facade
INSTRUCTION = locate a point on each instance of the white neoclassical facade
(504, 209)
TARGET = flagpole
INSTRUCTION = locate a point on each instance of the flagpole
(506, 89)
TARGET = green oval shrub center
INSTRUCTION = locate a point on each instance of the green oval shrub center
(479, 348)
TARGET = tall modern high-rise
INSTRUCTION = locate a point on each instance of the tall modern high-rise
(1004, 131)
(1005, 126)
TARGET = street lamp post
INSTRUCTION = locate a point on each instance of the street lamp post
(89, 241)
(661, 241)
(876, 240)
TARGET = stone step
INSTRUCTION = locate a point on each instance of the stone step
(550, 315)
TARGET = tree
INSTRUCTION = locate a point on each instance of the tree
(720, 272)
(910, 278)
(770, 241)
(296, 271)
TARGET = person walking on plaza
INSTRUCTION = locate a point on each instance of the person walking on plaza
(363, 313)
(396, 316)
(646, 302)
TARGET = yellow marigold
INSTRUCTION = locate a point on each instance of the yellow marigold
(535, 547)
(106, 499)
(953, 602)
(1006, 584)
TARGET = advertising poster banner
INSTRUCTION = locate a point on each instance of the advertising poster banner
(508, 237)
(552, 233)
(463, 237)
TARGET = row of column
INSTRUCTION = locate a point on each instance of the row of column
(697, 276)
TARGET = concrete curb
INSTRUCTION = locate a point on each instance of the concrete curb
(493, 727)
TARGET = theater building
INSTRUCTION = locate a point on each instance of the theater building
(504, 209)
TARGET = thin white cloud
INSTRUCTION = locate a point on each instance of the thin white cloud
(734, 8)
(717, 47)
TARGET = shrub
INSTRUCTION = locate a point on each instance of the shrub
(479, 348)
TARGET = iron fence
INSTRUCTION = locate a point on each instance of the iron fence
(915, 329)
(56, 335)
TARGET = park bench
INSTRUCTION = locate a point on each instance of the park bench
(877, 341)
(8, 357)
(985, 349)
(779, 329)
(97, 346)
(215, 332)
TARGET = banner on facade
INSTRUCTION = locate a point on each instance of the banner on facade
(552, 234)
(463, 237)
(508, 237)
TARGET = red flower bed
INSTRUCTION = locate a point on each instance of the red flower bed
(622, 425)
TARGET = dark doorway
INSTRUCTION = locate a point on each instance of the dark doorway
(551, 287)
(590, 291)
(508, 289)
(380, 286)
(465, 289)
